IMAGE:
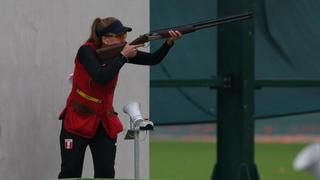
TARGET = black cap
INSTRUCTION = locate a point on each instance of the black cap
(114, 28)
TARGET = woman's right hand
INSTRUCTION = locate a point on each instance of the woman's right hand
(130, 51)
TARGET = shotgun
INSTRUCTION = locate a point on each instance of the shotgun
(111, 51)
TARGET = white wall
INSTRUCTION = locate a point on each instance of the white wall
(39, 39)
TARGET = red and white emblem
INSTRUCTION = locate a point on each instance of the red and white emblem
(68, 143)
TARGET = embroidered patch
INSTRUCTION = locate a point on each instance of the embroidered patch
(68, 143)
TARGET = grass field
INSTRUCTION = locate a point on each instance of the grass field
(176, 160)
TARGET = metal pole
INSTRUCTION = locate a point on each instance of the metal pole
(136, 154)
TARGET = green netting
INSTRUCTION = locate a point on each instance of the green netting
(286, 47)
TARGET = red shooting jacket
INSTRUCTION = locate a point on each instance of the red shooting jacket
(96, 97)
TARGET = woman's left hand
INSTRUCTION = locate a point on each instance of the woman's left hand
(174, 36)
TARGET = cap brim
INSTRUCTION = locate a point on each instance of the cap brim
(114, 28)
(122, 30)
(127, 29)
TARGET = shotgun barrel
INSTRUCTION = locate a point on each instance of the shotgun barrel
(114, 50)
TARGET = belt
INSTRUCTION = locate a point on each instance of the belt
(88, 97)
